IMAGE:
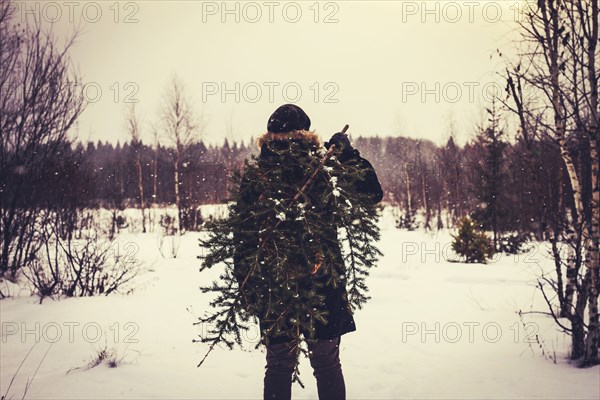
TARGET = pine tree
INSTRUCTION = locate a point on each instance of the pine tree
(277, 252)
(450, 159)
(492, 213)
(473, 245)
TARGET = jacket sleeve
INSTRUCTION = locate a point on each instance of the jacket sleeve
(368, 183)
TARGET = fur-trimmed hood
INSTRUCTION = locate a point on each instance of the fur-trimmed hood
(309, 136)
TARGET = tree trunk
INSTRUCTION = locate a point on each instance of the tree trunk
(593, 248)
(409, 209)
(177, 194)
(573, 241)
(592, 263)
(425, 202)
(440, 224)
(577, 320)
(155, 190)
(138, 163)
(458, 213)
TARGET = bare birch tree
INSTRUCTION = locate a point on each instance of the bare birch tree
(553, 89)
(181, 129)
(154, 179)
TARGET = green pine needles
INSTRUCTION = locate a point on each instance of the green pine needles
(471, 243)
(296, 223)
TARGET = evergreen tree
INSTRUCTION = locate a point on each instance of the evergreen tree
(490, 188)
(473, 245)
(278, 251)
(450, 167)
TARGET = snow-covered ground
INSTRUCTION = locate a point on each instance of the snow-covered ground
(433, 329)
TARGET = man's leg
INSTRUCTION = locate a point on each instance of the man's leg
(281, 359)
(325, 360)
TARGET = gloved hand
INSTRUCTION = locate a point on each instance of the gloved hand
(341, 142)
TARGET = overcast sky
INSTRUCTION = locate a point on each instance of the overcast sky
(384, 67)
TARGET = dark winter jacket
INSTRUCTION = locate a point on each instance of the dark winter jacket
(340, 319)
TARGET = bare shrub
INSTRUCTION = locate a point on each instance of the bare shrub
(81, 263)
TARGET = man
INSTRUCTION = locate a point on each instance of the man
(287, 148)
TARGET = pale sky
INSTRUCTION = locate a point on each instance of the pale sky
(394, 67)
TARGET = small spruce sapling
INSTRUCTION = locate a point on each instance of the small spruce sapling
(472, 244)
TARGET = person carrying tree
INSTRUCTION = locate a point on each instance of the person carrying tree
(286, 247)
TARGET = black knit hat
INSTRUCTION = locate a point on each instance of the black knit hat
(288, 117)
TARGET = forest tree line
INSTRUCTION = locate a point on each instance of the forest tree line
(488, 178)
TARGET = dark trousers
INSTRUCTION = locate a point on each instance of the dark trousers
(324, 358)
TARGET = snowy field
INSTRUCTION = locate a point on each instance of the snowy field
(434, 329)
